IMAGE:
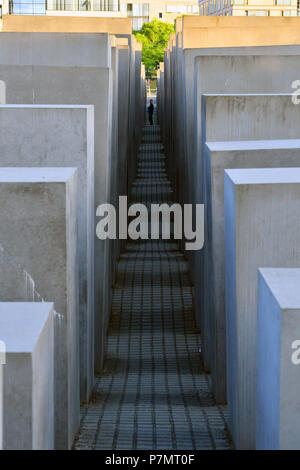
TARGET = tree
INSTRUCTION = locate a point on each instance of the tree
(154, 36)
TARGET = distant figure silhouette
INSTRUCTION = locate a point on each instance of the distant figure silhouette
(150, 112)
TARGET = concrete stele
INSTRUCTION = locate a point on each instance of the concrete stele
(241, 117)
(218, 156)
(55, 136)
(65, 24)
(75, 70)
(39, 232)
(262, 229)
(278, 353)
(27, 376)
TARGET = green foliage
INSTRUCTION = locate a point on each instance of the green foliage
(154, 37)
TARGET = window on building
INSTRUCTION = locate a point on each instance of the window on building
(27, 7)
(145, 9)
(182, 9)
(137, 23)
(106, 5)
(257, 13)
(138, 9)
(83, 5)
(66, 5)
(139, 13)
(287, 13)
(282, 2)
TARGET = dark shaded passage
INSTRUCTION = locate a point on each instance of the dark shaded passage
(153, 393)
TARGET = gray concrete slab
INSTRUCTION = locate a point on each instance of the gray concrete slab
(233, 70)
(123, 125)
(278, 352)
(218, 70)
(38, 234)
(193, 78)
(218, 156)
(27, 377)
(69, 78)
(114, 190)
(262, 229)
(55, 50)
(54, 136)
(237, 118)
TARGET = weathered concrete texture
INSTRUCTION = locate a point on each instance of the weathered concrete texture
(138, 110)
(143, 100)
(123, 122)
(223, 79)
(218, 156)
(39, 234)
(241, 117)
(123, 116)
(132, 95)
(278, 381)
(66, 24)
(55, 50)
(232, 70)
(160, 95)
(249, 116)
(195, 71)
(262, 229)
(242, 36)
(27, 377)
(114, 190)
(193, 22)
(54, 136)
(78, 72)
(227, 70)
(134, 106)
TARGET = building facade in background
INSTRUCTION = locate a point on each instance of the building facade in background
(249, 7)
(140, 11)
(164, 10)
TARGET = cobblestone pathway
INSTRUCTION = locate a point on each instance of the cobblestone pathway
(153, 393)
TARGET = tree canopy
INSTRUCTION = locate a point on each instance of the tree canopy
(154, 37)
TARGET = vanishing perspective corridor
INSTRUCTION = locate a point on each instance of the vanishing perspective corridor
(153, 393)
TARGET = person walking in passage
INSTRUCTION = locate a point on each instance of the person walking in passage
(150, 112)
